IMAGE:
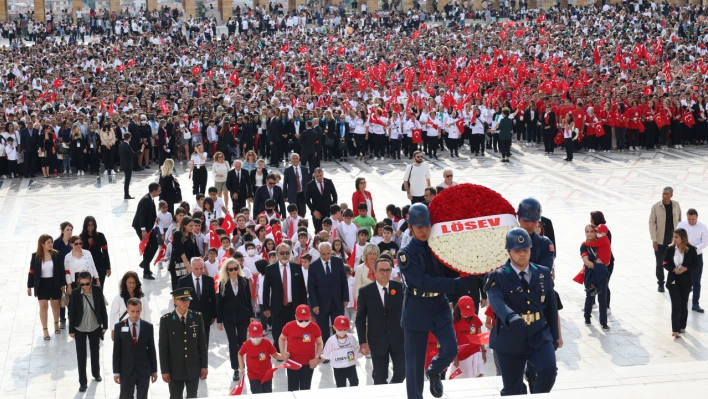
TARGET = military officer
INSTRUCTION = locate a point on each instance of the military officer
(183, 347)
(426, 308)
(526, 330)
(543, 251)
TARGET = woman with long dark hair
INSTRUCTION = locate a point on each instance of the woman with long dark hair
(46, 276)
(362, 195)
(130, 287)
(184, 248)
(225, 142)
(96, 243)
(597, 218)
(680, 260)
(63, 247)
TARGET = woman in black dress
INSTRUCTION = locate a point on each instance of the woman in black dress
(96, 243)
(46, 276)
(184, 248)
(680, 260)
(47, 150)
(78, 150)
(170, 189)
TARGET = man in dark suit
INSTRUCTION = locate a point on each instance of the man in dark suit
(328, 288)
(134, 355)
(28, 146)
(143, 223)
(379, 306)
(204, 298)
(295, 180)
(136, 143)
(308, 140)
(320, 194)
(238, 184)
(87, 298)
(268, 191)
(283, 290)
(278, 131)
(182, 344)
(127, 155)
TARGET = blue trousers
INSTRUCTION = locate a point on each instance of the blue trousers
(512, 370)
(697, 274)
(601, 299)
(415, 344)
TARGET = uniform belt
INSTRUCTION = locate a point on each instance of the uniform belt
(531, 317)
(421, 294)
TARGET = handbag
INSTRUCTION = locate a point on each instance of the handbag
(178, 190)
(62, 149)
(329, 142)
(180, 269)
(403, 185)
(342, 146)
(64, 301)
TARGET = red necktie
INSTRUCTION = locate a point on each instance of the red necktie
(321, 188)
(285, 286)
(135, 335)
(297, 176)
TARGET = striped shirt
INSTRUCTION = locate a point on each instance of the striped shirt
(89, 322)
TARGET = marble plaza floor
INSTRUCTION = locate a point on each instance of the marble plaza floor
(622, 185)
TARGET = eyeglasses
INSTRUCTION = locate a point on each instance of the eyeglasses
(448, 176)
(78, 243)
(283, 253)
(232, 269)
(84, 284)
(384, 271)
(270, 183)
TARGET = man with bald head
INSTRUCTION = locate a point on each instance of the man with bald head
(328, 288)
(204, 299)
(239, 186)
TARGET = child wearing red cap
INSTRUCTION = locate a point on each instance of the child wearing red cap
(301, 342)
(341, 349)
(470, 357)
(257, 353)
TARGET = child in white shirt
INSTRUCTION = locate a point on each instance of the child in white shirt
(164, 218)
(341, 349)
(11, 151)
(212, 264)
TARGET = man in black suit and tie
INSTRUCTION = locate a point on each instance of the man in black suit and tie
(328, 288)
(29, 139)
(283, 290)
(238, 183)
(263, 193)
(278, 131)
(144, 222)
(320, 194)
(127, 155)
(379, 306)
(295, 180)
(308, 140)
(134, 354)
(204, 300)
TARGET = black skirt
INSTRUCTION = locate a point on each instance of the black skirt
(48, 290)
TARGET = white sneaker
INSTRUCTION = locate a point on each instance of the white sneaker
(105, 172)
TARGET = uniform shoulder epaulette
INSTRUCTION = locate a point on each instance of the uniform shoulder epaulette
(165, 315)
(195, 312)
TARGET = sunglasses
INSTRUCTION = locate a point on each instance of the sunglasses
(271, 183)
(232, 269)
(78, 243)
(448, 175)
(283, 253)
(84, 284)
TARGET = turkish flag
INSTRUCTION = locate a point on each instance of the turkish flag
(144, 243)
(341, 51)
(214, 241)
(57, 83)
(304, 49)
(417, 136)
(228, 224)
(161, 253)
(661, 120)
(580, 277)
(120, 68)
(558, 140)
(234, 78)
(290, 364)
(455, 374)
(478, 339)
(277, 234)
(131, 63)
(238, 388)
(460, 125)
(285, 47)
(210, 73)
(196, 70)
(352, 258)
(688, 119)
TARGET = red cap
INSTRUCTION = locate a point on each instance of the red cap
(302, 313)
(255, 330)
(602, 229)
(466, 305)
(341, 323)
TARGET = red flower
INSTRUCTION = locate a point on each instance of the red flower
(466, 201)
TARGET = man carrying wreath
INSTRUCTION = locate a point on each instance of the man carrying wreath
(426, 308)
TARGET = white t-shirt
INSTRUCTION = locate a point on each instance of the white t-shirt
(417, 177)
(341, 353)
(212, 269)
(164, 220)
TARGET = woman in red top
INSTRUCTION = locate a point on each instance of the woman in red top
(361, 195)
(634, 123)
(303, 341)
(677, 128)
(604, 116)
(620, 116)
(663, 110)
(650, 128)
(257, 353)
(470, 357)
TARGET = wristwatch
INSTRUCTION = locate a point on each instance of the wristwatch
(319, 357)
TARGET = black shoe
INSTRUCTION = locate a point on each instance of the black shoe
(148, 277)
(605, 327)
(98, 378)
(436, 387)
(83, 388)
(661, 287)
(326, 361)
(236, 376)
(587, 321)
(697, 308)
(128, 197)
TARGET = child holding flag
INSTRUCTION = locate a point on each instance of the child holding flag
(471, 356)
(256, 353)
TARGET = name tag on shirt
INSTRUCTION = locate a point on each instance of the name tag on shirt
(125, 329)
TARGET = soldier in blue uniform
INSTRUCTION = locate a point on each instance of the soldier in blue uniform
(526, 330)
(426, 307)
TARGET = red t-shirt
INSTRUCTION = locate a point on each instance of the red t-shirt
(489, 312)
(431, 349)
(465, 328)
(301, 341)
(258, 358)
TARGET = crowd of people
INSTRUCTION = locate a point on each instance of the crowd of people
(369, 86)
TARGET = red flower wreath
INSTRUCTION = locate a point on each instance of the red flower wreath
(466, 201)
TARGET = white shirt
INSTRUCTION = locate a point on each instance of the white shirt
(417, 177)
(697, 234)
(201, 284)
(290, 280)
(381, 291)
(678, 258)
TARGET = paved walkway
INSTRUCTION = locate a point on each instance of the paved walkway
(623, 186)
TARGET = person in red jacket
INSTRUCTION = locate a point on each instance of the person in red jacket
(633, 124)
(470, 357)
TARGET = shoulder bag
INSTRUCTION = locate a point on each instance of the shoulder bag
(403, 185)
